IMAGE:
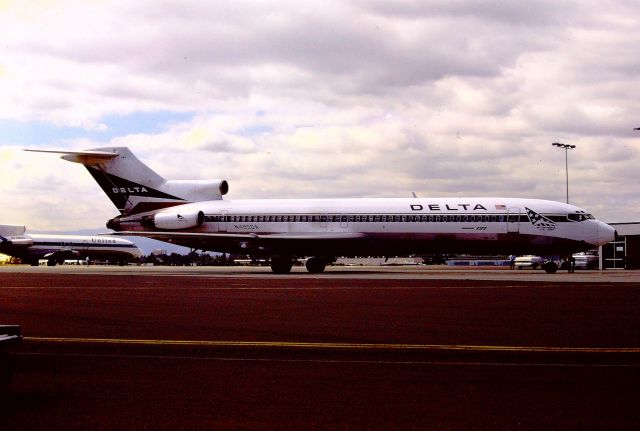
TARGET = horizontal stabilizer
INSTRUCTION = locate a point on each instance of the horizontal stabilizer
(83, 157)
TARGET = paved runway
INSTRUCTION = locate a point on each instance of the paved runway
(366, 348)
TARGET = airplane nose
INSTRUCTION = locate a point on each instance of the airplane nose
(606, 233)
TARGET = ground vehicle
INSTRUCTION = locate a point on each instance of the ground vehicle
(587, 260)
(9, 335)
(528, 261)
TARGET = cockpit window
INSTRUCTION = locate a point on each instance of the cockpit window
(579, 217)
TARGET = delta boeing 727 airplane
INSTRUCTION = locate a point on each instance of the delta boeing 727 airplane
(194, 214)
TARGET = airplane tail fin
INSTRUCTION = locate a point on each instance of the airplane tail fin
(133, 187)
(12, 235)
(7, 230)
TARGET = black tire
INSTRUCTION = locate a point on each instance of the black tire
(534, 265)
(51, 262)
(315, 265)
(550, 267)
(281, 265)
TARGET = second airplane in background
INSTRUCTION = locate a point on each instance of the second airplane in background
(192, 213)
(30, 248)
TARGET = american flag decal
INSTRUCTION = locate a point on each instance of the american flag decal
(540, 221)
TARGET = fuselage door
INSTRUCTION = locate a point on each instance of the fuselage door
(222, 223)
(337, 223)
(344, 222)
(513, 220)
(324, 221)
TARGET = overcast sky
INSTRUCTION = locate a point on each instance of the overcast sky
(361, 98)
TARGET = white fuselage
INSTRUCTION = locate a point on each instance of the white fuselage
(31, 247)
(385, 226)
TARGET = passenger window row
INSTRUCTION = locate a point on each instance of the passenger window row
(364, 218)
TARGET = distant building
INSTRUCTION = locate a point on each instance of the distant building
(624, 252)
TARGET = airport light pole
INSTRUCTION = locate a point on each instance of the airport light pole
(566, 148)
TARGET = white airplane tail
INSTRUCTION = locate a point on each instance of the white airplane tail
(12, 235)
(133, 187)
(7, 230)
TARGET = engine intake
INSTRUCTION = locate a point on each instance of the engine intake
(197, 190)
(175, 220)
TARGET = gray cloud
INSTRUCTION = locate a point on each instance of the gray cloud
(531, 13)
(337, 43)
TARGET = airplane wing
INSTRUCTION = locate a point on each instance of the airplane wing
(62, 254)
(247, 242)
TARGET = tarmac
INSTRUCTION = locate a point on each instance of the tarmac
(407, 347)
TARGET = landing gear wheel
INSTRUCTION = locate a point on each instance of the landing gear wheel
(281, 265)
(550, 267)
(315, 265)
(51, 262)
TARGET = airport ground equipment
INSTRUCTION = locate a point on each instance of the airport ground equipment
(10, 335)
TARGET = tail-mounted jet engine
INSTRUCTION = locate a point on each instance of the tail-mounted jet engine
(178, 220)
(196, 190)
(16, 241)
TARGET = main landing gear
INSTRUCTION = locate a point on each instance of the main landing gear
(283, 264)
(315, 265)
(550, 267)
